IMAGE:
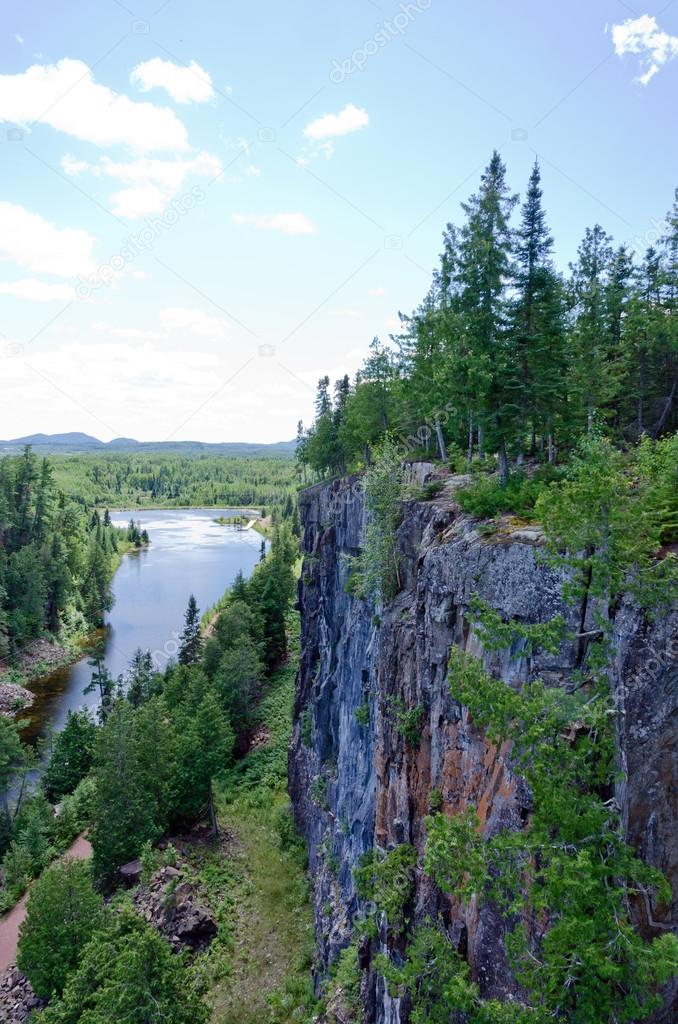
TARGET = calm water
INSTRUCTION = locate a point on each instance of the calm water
(189, 553)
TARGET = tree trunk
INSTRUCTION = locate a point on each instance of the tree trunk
(441, 441)
(590, 414)
(667, 407)
(552, 448)
(368, 456)
(503, 464)
(481, 441)
(641, 391)
(469, 450)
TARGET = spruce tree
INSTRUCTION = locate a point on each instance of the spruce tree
(537, 324)
(190, 645)
(484, 267)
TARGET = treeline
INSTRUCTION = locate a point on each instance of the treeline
(57, 557)
(508, 357)
(117, 480)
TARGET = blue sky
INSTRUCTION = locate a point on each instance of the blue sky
(206, 206)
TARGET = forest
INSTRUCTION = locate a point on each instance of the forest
(507, 359)
(169, 481)
(57, 556)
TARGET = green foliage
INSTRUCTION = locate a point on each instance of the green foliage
(127, 973)
(190, 646)
(505, 357)
(72, 756)
(433, 975)
(362, 714)
(408, 721)
(377, 575)
(56, 560)
(306, 725)
(62, 914)
(387, 880)
(485, 498)
(152, 479)
(429, 491)
(570, 867)
(606, 520)
(520, 638)
(346, 978)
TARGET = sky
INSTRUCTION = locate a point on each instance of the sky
(206, 206)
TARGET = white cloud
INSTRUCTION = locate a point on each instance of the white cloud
(184, 83)
(252, 171)
(194, 321)
(172, 320)
(134, 333)
(330, 126)
(377, 292)
(65, 96)
(19, 38)
(644, 37)
(37, 291)
(152, 181)
(288, 223)
(38, 245)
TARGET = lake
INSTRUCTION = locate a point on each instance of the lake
(189, 553)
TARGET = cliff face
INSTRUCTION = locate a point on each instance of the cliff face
(355, 783)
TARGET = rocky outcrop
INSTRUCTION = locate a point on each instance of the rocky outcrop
(17, 998)
(356, 782)
(171, 904)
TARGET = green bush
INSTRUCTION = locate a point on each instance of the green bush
(485, 498)
(387, 880)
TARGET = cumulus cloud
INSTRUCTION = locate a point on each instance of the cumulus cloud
(151, 182)
(330, 126)
(376, 292)
(185, 83)
(288, 223)
(65, 96)
(644, 37)
(40, 246)
(37, 291)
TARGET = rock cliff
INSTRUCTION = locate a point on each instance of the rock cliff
(356, 783)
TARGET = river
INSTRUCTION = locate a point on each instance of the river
(189, 553)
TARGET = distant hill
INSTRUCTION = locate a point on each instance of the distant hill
(84, 444)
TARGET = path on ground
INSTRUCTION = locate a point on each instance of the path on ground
(272, 929)
(81, 849)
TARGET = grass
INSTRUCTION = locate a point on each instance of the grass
(268, 925)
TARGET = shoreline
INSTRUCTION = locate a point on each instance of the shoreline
(46, 655)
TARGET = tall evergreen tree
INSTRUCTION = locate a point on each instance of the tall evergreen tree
(537, 323)
(190, 645)
(484, 268)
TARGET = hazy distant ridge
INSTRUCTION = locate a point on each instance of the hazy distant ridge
(78, 443)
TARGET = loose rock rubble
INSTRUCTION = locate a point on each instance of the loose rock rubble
(17, 998)
(172, 907)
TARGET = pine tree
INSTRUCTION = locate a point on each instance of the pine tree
(537, 323)
(190, 645)
(484, 269)
(590, 340)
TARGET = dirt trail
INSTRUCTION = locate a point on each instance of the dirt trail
(9, 924)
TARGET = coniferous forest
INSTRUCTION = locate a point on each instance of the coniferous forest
(509, 358)
(57, 556)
